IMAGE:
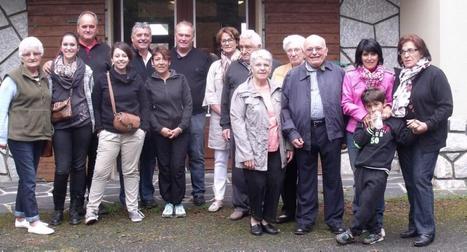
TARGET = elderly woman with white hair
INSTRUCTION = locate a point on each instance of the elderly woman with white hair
(25, 126)
(293, 47)
(260, 149)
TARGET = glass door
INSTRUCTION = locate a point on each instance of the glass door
(159, 14)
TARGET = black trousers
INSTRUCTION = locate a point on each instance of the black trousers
(307, 185)
(239, 187)
(70, 148)
(147, 165)
(370, 185)
(289, 189)
(264, 188)
(171, 156)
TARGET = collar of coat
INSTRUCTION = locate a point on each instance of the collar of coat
(251, 89)
(304, 73)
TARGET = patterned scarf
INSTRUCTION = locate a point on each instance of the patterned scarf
(225, 61)
(62, 69)
(372, 79)
(402, 95)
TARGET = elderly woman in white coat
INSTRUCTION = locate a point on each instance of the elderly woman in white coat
(227, 38)
(261, 150)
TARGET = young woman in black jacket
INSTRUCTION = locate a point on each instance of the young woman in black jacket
(130, 97)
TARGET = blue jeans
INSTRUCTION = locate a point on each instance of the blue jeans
(147, 164)
(353, 153)
(196, 153)
(417, 168)
(26, 156)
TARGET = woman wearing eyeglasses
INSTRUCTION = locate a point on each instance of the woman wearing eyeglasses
(25, 125)
(227, 38)
(422, 95)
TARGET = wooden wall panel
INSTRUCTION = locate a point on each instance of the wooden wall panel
(304, 17)
(48, 20)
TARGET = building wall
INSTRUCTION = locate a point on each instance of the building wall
(304, 17)
(13, 28)
(378, 19)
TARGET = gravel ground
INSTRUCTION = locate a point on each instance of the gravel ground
(203, 231)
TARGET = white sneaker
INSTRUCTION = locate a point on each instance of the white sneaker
(21, 224)
(180, 211)
(382, 233)
(40, 229)
(90, 218)
(168, 210)
(215, 206)
(136, 216)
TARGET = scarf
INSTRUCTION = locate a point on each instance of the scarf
(402, 95)
(66, 76)
(372, 79)
(225, 61)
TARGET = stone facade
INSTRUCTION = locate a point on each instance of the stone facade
(378, 19)
(14, 27)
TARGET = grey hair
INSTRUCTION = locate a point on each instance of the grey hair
(294, 39)
(253, 36)
(261, 54)
(141, 25)
(30, 43)
(186, 23)
(86, 12)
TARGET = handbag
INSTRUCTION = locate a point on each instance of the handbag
(123, 122)
(47, 149)
(61, 110)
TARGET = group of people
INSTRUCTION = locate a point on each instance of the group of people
(275, 122)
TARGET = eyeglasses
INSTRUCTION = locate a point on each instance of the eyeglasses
(410, 51)
(34, 54)
(293, 50)
(314, 49)
(227, 41)
(246, 48)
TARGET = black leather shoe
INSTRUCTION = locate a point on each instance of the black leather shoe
(57, 218)
(283, 218)
(75, 217)
(408, 234)
(256, 229)
(337, 230)
(148, 204)
(302, 231)
(269, 229)
(423, 240)
(198, 200)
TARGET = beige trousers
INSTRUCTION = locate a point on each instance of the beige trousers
(110, 145)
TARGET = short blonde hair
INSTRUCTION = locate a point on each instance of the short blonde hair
(30, 43)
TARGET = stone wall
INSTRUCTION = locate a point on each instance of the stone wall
(378, 19)
(451, 169)
(13, 28)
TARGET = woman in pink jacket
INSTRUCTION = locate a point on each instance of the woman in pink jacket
(368, 72)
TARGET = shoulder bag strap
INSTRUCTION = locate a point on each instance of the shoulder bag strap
(111, 92)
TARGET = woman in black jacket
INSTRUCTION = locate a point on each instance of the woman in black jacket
(71, 79)
(422, 96)
(130, 97)
(171, 107)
